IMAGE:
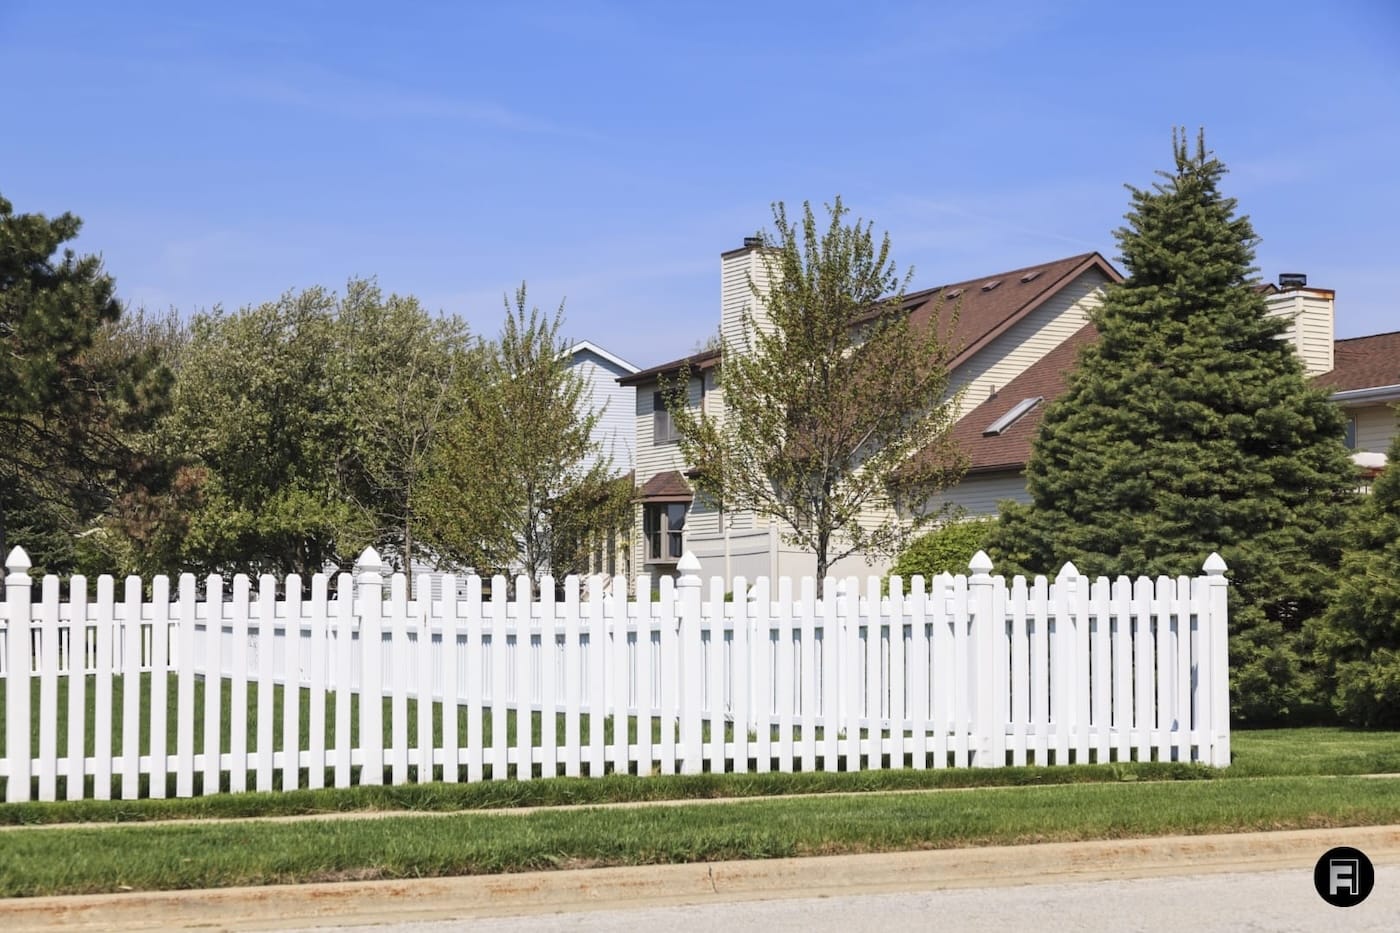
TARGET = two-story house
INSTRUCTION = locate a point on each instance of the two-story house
(999, 324)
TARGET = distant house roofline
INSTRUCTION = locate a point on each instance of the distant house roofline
(591, 347)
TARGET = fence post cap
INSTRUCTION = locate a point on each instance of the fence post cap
(981, 564)
(1214, 565)
(1068, 570)
(18, 561)
(689, 564)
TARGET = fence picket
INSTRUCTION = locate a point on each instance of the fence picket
(668, 614)
(1101, 663)
(266, 680)
(830, 677)
(344, 661)
(619, 678)
(520, 668)
(808, 674)
(475, 681)
(422, 679)
(160, 683)
(741, 674)
(290, 768)
(369, 597)
(714, 690)
(184, 688)
(785, 681)
(48, 688)
(78, 655)
(918, 696)
(853, 695)
(1020, 673)
(573, 682)
(131, 637)
(645, 676)
(549, 667)
(764, 660)
(1142, 667)
(450, 711)
(400, 668)
(317, 658)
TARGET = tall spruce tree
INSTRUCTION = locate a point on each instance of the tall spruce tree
(1189, 427)
(1359, 639)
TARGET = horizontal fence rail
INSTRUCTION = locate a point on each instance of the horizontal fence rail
(242, 687)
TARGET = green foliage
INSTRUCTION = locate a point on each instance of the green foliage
(1189, 428)
(510, 485)
(76, 398)
(946, 549)
(830, 399)
(1358, 641)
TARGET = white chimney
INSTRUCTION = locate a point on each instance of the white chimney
(1310, 312)
(750, 263)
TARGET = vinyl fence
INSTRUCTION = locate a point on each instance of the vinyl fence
(967, 670)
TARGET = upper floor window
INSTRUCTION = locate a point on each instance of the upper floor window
(663, 426)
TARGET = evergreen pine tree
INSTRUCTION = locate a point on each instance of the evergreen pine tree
(1359, 638)
(1189, 427)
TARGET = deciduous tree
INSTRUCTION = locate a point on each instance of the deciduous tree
(834, 419)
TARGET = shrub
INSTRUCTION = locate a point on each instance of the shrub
(946, 549)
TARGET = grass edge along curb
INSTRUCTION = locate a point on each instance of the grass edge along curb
(561, 791)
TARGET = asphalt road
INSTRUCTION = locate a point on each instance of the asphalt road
(1216, 903)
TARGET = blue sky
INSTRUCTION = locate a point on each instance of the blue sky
(608, 152)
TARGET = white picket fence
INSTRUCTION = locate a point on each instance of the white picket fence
(966, 670)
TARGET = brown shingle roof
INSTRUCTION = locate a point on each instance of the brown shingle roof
(697, 362)
(986, 310)
(666, 487)
(1010, 449)
(983, 312)
(1364, 363)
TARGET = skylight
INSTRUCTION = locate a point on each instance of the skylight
(1011, 417)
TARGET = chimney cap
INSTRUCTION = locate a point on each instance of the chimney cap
(1292, 280)
(753, 242)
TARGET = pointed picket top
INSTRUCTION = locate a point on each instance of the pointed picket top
(1214, 565)
(1068, 570)
(980, 565)
(18, 561)
(689, 564)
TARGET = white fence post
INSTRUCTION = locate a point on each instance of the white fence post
(17, 673)
(369, 606)
(1219, 686)
(987, 726)
(691, 670)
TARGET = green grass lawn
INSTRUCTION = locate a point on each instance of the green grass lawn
(162, 856)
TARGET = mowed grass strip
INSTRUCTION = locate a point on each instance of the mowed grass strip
(1261, 753)
(159, 857)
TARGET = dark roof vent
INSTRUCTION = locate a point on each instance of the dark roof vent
(991, 285)
(753, 242)
(955, 293)
(1033, 275)
(1292, 280)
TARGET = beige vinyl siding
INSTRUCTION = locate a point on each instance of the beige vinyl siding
(1310, 329)
(979, 493)
(1029, 339)
(1376, 425)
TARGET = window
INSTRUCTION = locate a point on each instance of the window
(664, 525)
(663, 427)
(1350, 439)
